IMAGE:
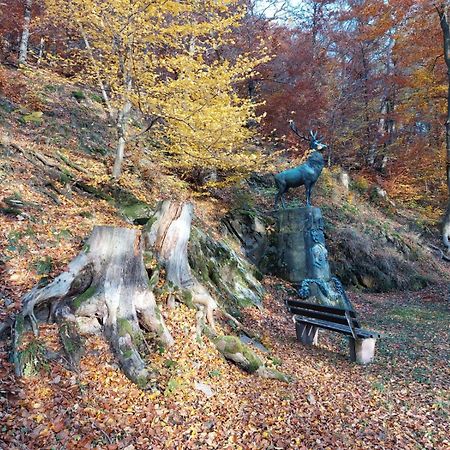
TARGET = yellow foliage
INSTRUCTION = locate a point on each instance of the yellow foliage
(167, 60)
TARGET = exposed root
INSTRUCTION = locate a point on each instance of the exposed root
(236, 351)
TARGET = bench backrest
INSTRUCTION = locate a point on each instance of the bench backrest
(328, 313)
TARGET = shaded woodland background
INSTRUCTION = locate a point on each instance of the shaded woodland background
(369, 75)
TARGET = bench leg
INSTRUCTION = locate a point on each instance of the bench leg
(362, 351)
(306, 334)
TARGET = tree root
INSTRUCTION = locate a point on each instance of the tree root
(234, 350)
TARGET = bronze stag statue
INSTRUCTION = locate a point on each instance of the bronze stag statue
(305, 174)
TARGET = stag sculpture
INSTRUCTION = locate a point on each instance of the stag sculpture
(304, 175)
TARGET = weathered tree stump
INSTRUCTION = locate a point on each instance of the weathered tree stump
(167, 235)
(105, 289)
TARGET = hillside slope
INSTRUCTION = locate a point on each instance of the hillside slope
(54, 187)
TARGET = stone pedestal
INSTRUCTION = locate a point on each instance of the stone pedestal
(291, 257)
(302, 257)
(301, 244)
(362, 351)
(306, 334)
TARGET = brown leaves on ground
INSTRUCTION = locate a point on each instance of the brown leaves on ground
(400, 401)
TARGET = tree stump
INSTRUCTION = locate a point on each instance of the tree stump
(167, 235)
(105, 289)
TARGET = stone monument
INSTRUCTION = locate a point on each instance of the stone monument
(302, 256)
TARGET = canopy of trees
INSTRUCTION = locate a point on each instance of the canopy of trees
(346, 67)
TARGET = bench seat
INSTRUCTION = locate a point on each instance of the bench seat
(338, 327)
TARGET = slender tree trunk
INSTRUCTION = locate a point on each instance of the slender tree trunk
(23, 50)
(443, 16)
(124, 114)
(101, 85)
(122, 125)
(41, 51)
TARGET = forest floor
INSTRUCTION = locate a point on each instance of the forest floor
(199, 400)
(401, 401)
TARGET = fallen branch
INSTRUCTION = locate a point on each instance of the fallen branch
(440, 251)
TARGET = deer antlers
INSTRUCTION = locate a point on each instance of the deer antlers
(313, 135)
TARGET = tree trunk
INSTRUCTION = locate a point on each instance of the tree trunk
(101, 85)
(125, 60)
(443, 16)
(23, 50)
(122, 125)
(105, 290)
(41, 51)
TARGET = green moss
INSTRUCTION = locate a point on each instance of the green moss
(64, 177)
(35, 118)
(275, 361)
(71, 341)
(254, 362)
(44, 266)
(78, 95)
(141, 381)
(32, 358)
(215, 373)
(231, 345)
(86, 295)
(187, 299)
(158, 313)
(154, 279)
(172, 386)
(124, 327)
(127, 351)
(96, 98)
(51, 88)
(150, 222)
(10, 211)
(138, 211)
(19, 327)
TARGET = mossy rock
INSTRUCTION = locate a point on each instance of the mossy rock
(138, 213)
(34, 118)
(230, 277)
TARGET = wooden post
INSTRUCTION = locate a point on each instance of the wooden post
(307, 334)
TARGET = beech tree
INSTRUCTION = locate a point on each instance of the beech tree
(443, 12)
(25, 32)
(163, 59)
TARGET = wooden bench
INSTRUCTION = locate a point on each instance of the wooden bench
(309, 317)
